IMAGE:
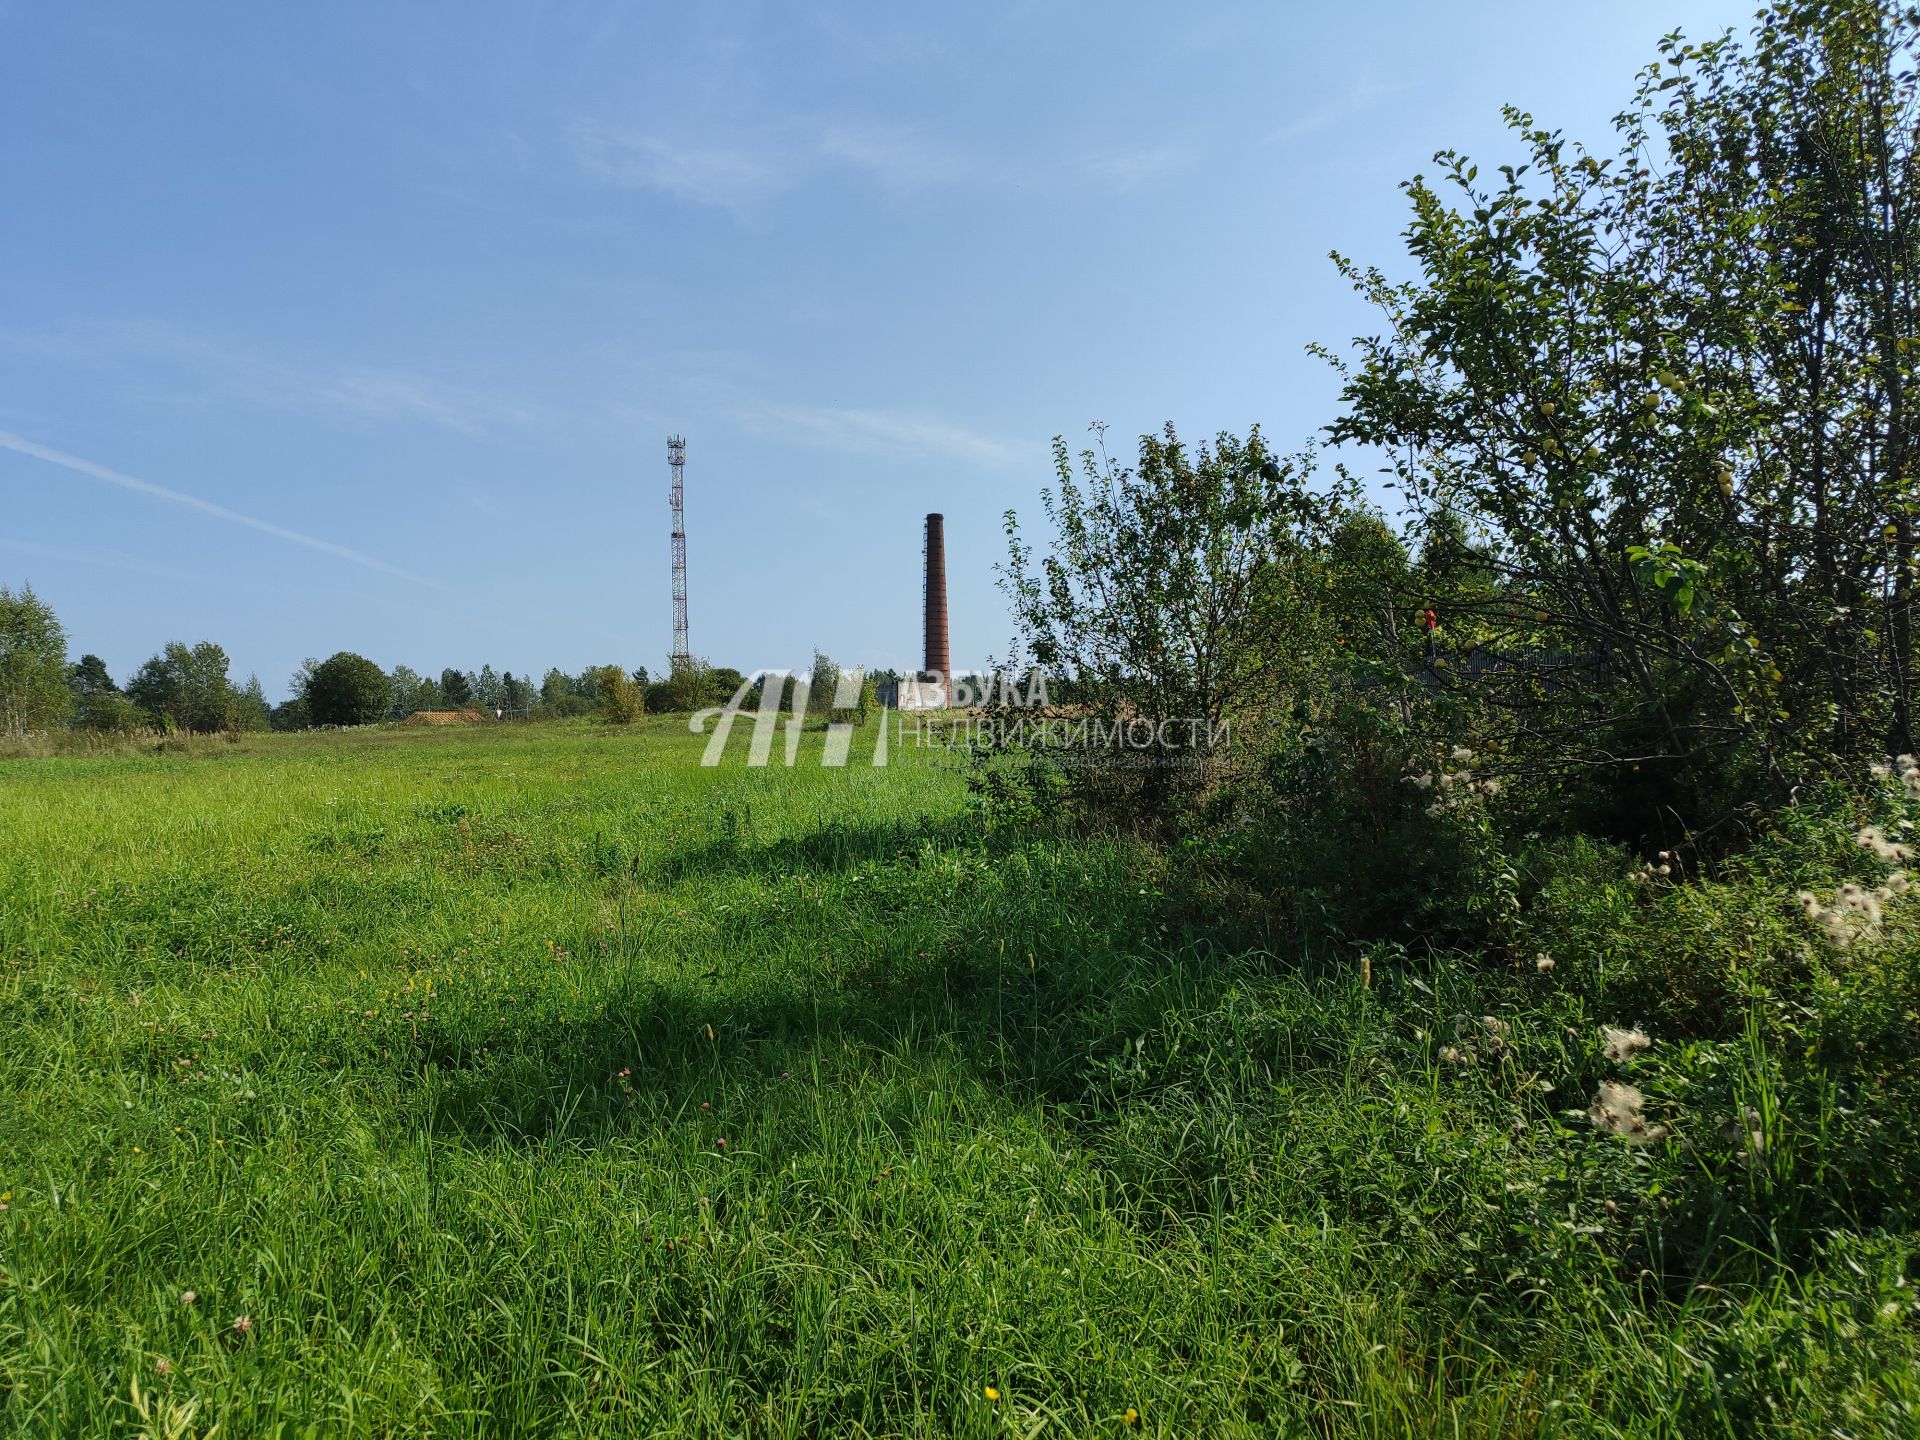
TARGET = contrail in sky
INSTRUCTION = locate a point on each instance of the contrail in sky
(22, 446)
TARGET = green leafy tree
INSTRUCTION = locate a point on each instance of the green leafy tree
(823, 688)
(347, 689)
(98, 703)
(722, 683)
(821, 681)
(89, 676)
(33, 663)
(291, 715)
(689, 683)
(456, 691)
(408, 692)
(186, 688)
(1164, 596)
(516, 695)
(251, 710)
(1671, 400)
(618, 699)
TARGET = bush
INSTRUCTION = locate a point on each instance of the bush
(107, 712)
(617, 695)
(1669, 400)
(1180, 592)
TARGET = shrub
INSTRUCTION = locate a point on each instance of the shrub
(617, 696)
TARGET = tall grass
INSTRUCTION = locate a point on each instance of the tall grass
(541, 1082)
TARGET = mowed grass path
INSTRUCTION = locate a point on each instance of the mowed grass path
(540, 1082)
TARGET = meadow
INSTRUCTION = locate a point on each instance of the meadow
(537, 1081)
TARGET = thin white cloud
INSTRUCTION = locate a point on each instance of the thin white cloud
(741, 169)
(897, 157)
(1130, 167)
(22, 446)
(890, 431)
(353, 392)
(1358, 99)
(376, 394)
(106, 561)
(730, 177)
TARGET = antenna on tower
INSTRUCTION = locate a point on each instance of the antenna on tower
(677, 458)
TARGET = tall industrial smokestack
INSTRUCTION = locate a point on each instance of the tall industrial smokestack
(939, 664)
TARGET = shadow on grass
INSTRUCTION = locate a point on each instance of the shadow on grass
(1056, 1013)
(834, 848)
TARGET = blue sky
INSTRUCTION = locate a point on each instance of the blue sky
(361, 326)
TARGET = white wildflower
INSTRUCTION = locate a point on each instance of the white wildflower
(1621, 1110)
(1623, 1044)
(1833, 923)
(1873, 838)
(1858, 900)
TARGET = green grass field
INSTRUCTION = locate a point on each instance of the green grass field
(540, 1082)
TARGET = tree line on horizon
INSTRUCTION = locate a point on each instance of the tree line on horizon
(188, 689)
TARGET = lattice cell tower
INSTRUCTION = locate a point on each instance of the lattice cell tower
(677, 458)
